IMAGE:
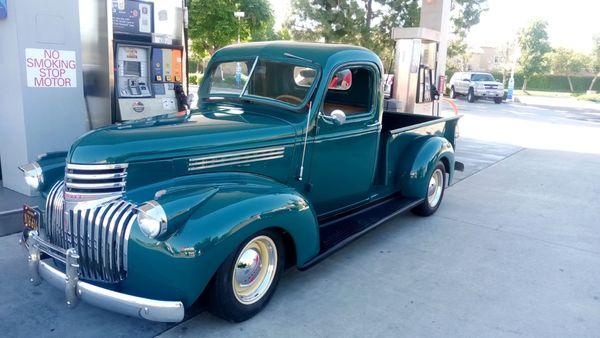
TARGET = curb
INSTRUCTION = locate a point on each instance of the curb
(11, 222)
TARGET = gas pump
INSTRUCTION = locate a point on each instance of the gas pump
(414, 89)
(141, 45)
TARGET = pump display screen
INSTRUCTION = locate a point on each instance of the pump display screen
(132, 68)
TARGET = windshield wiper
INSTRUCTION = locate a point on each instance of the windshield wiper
(249, 77)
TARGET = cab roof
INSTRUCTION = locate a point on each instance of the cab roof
(321, 54)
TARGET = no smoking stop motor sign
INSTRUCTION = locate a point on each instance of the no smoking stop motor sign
(51, 68)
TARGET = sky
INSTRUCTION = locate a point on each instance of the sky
(571, 24)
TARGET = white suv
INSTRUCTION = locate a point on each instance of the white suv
(476, 85)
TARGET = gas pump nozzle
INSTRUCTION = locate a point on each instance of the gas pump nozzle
(182, 100)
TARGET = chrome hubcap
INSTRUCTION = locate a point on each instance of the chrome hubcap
(254, 270)
(436, 185)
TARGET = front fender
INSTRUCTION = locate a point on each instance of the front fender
(53, 169)
(179, 267)
(419, 161)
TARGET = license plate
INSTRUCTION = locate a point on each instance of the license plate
(31, 217)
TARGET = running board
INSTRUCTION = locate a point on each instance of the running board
(342, 231)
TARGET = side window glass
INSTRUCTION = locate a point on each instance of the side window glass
(351, 91)
(304, 77)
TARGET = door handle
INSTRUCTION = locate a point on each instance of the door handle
(376, 124)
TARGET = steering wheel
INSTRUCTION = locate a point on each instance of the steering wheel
(289, 99)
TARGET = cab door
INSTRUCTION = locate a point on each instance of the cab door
(345, 152)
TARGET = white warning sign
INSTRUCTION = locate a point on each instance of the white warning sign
(51, 68)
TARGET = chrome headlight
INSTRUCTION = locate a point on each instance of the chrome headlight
(152, 219)
(33, 175)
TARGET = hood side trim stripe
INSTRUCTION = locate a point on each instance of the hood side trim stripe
(235, 158)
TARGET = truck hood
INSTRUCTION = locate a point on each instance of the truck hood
(222, 128)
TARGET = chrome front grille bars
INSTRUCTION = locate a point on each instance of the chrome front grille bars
(95, 179)
(97, 233)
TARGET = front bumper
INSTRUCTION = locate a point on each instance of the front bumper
(75, 290)
(490, 93)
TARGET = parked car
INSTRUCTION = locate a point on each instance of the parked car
(476, 85)
(280, 169)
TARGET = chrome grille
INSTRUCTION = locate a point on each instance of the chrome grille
(97, 232)
(235, 158)
(489, 86)
(95, 178)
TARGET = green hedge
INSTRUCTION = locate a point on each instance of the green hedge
(195, 78)
(556, 83)
(551, 83)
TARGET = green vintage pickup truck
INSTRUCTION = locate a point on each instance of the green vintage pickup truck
(289, 157)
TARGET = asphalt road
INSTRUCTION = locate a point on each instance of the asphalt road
(513, 251)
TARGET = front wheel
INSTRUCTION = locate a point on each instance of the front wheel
(497, 100)
(245, 282)
(471, 96)
(435, 192)
(452, 92)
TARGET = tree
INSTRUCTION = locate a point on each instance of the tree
(466, 14)
(506, 53)
(563, 61)
(327, 21)
(369, 23)
(213, 25)
(533, 41)
(595, 61)
(457, 55)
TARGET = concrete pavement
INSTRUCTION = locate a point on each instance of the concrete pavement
(558, 103)
(40, 311)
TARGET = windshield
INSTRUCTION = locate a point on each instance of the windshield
(284, 82)
(482, 77)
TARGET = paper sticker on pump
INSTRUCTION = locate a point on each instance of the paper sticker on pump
(167, 62)
(176, 65)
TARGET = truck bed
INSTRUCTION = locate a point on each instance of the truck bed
(395, 123)
(399, 131)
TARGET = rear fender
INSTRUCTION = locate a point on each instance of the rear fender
(419, 161)
(233, 207)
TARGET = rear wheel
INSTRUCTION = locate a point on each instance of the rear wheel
(471, 96)
(245, 282)
(452, 93)
(435, 192)
(497, 100)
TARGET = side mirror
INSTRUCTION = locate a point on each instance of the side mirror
(468, 80)
(337, 117)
